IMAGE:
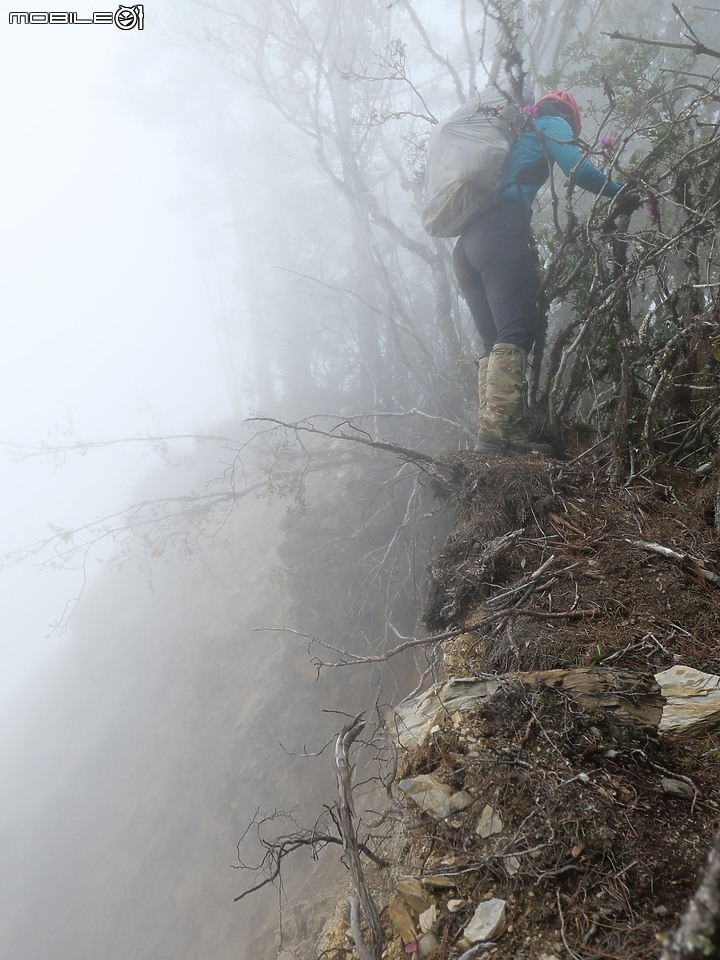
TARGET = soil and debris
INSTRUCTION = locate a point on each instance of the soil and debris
(577, 821)
(553, 556)
(533, 828)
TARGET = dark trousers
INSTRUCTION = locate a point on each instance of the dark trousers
(497, 272)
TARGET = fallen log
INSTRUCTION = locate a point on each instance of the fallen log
(635, 696)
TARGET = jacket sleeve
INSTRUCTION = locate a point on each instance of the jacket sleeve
(558, 140)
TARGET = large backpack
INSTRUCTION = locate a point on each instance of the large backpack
(465, 161)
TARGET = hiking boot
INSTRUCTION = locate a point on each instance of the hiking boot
(482, 384)
(502, 424)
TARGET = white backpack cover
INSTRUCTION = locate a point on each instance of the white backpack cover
(465, 161)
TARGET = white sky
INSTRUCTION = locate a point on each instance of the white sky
(110, 292)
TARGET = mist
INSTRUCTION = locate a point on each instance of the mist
(146, 721)
(112, 297)
(216, 297)
(122, 320)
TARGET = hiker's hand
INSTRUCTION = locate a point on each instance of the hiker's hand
(625, 202)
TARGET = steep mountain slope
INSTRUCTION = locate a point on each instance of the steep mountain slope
(144, 758)
(535, 788)
(169, 724)
(132, 769)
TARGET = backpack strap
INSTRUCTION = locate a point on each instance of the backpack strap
(537, 171)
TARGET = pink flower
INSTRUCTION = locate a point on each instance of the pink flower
(530, 110)
(607, 142)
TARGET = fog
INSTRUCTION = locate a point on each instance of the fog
(115, 283)
(209, 219)
(120, 319)
(142, 716)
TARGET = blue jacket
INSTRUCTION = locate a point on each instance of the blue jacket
(558, 144)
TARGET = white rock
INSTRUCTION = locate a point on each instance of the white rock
(427, 945)
(488, 921)
(435, 797)
(412, 720)
(490, 822)
(693, 700)
(428, 919)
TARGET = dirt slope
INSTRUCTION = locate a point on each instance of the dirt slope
(590, 828)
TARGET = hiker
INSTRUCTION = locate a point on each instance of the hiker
(498, 272)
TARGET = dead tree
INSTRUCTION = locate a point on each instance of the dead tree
(349, 733)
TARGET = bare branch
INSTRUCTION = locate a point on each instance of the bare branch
(346, 738)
